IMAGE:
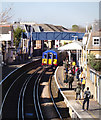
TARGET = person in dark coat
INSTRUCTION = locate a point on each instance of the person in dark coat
(87, 95)
(66, 78)
(70, 80)
(78, 73)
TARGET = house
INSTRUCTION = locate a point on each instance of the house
(6, 40)
(92, 46)
(27, 47)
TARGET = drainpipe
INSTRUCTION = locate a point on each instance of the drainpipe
(86, 50)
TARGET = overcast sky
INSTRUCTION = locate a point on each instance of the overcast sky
(57, 13)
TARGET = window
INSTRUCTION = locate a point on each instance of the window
(54, 56)
(96, 40)
(97, 78)
(45, 56)
(49, 56)
(92, 76)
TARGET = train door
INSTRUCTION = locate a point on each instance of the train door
(50, 58)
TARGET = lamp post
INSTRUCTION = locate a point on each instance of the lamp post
(31, 41)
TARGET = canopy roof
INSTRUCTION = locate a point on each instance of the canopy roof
(71, 46)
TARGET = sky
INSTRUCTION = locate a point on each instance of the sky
(57, 13)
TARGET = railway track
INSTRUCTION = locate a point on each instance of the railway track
(22, 97)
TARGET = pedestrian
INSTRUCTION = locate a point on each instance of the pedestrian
(87, 95)
(73, 63)
(77, 63)
(81, 69)
(78, 90)
(67, 67)
(81, 76)
(66, 78)
(64, 63)
(83, 83)
(69, 71)
(78, 73)
(70, 80)
(76, 68)
(73, 70)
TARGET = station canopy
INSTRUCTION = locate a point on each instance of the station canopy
(71, 46)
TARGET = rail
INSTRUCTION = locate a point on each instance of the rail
(53, 99)
(20, 69)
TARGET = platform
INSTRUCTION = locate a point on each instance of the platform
(75, 106)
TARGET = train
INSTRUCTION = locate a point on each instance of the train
(53, 57)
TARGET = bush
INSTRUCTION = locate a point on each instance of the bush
(97, 66)
(92, 61)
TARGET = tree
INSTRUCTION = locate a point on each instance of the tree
(5, 15)
(93, 62)
(17, 35)
(97, 66)
(91, 59)
(75, 27)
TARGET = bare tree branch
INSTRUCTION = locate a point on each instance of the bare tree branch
(5, 15)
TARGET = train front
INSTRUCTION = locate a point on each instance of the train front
(49, 58)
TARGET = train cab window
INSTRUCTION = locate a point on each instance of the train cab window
(54, 56)
(45, 56)
(49, 56)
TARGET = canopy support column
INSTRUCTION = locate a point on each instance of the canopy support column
(69, 55)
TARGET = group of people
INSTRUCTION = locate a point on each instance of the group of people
(71, 70)
(69, 73)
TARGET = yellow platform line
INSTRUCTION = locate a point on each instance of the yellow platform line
(88, 111)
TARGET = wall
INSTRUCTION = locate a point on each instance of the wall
(95, 52)
(90, 84)
(5, 37)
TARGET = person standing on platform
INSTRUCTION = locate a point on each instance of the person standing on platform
(78, 90)
(73, 63)
(70, 80)
(64, 63)
(81, 69)
(66, 78)
(78, 73)
(73, 70)
(67, 67)
(87, 95)
(81, 77)
(83, 83)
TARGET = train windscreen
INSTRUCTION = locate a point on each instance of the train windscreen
(45, 56)
(54, 56)
(49, 56)
(49, 59)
